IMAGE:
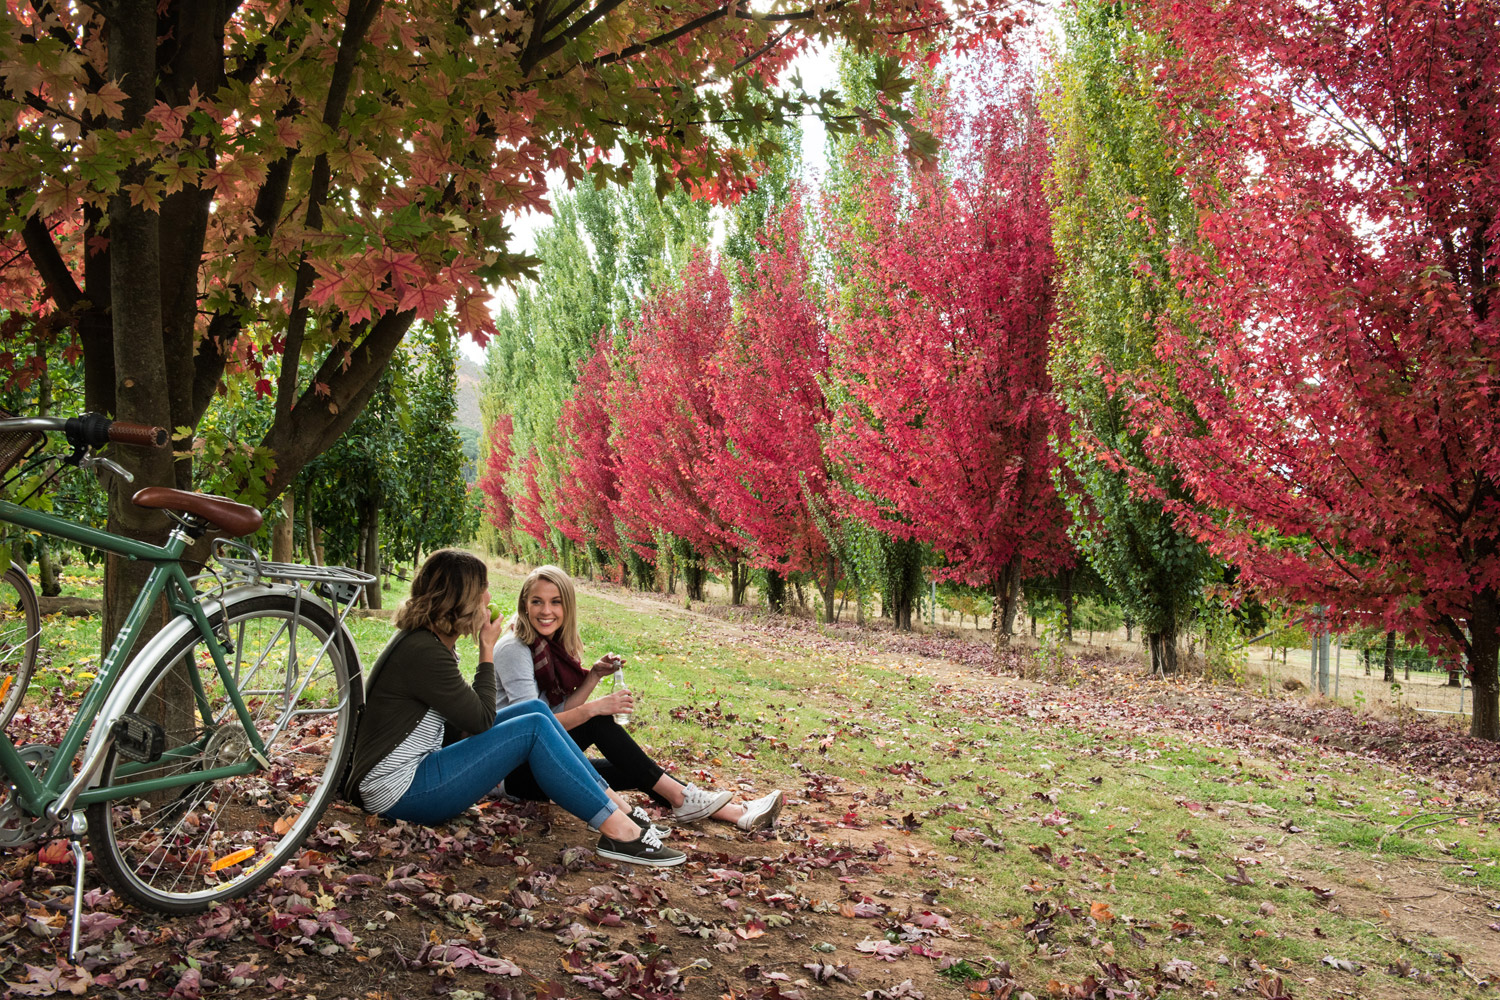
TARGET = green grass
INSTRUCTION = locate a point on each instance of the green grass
(1126, 838)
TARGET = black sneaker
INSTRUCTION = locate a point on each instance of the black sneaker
(643, 820)
(648, 850)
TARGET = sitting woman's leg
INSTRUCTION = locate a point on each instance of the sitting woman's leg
(630, 767)
(450, 780)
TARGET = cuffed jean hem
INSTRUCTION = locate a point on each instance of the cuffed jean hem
(450, 780)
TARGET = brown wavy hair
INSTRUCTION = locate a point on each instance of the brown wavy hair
(445, 595)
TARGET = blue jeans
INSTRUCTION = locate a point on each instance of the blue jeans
(450, 780)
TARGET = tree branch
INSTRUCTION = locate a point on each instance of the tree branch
(352, 376)
(61, 286)
(356, 25)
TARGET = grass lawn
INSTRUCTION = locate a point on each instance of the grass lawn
(1075, 836)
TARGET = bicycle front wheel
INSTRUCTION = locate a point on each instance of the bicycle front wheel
(186, 848)
(20, 634)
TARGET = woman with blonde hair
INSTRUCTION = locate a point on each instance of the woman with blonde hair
(542, 655)
(429, 745)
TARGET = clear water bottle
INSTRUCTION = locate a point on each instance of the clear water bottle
(621, 718)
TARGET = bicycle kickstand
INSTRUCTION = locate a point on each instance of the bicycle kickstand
(80, 862)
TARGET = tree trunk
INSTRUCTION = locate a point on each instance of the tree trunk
(694, 578)
(1163, 646)
(1003, 602)
(739, 582)
(371, 555)
(831, 568)
(46, 569)
(1367, 661)
(1067, 583)
(141, 389)
(1484, 656)
(775, 591)
(282, 538)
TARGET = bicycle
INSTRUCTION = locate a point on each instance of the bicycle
(200, 763)
(20, 638)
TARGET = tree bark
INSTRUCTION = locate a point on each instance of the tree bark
(831, 568)
(371, 555)
(776, 591)
(141, 390)
(1006, 596)
(1484, 657)
(1163, 646)
(1068, 604)
(282, 537)
(739, 582)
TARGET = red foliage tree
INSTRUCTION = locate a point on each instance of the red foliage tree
(666, 429)
(1342, 359)
(498, 508)
(941, 339)
(767, 392)
(530, 508)
(588, 486)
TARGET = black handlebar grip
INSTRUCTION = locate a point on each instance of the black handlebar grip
(90, 430)
(140, 435)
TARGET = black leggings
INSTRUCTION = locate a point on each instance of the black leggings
(625, 765)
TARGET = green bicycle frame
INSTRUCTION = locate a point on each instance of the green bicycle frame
(167, 579)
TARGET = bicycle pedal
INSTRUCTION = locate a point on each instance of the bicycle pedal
(139, 739)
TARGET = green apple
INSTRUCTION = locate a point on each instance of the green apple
(494, 611)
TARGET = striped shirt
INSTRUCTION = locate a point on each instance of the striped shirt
(389, 780)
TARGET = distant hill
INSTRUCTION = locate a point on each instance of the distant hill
(466, 416)
(470, 373)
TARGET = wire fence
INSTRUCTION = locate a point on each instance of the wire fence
(1421, 682)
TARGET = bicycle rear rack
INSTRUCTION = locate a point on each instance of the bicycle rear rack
(339, 585)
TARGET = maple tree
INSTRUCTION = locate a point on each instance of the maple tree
(1120, 208)
(589, 484)
(941, 340)
(1340, 352)
(666, 430)
(193, 187)
(771, 470)
(499, 511)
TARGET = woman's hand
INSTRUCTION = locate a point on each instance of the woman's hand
(489, 634)
(613, 704)
(607, 664)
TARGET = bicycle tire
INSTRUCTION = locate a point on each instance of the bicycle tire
(175, 851)
(20, 637)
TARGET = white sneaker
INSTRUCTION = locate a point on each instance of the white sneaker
(761, 813)
(643, 820)
(698, 803)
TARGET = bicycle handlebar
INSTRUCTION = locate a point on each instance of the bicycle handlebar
(92, 430)
(139, 435)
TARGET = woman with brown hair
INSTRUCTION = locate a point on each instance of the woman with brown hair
(542, 656)
(429, 745)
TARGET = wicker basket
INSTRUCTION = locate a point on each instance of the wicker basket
(16, 445)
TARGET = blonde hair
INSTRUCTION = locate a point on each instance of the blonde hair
(560, 579)
(445, 595)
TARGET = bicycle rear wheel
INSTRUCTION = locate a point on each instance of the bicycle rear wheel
(187, 848)
(20, 635)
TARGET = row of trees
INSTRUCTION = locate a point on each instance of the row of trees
(1215, 309)
(740, 412)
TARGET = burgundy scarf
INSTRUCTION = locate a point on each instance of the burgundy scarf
(558, 673)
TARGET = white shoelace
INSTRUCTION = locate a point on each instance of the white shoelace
(650, 839)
